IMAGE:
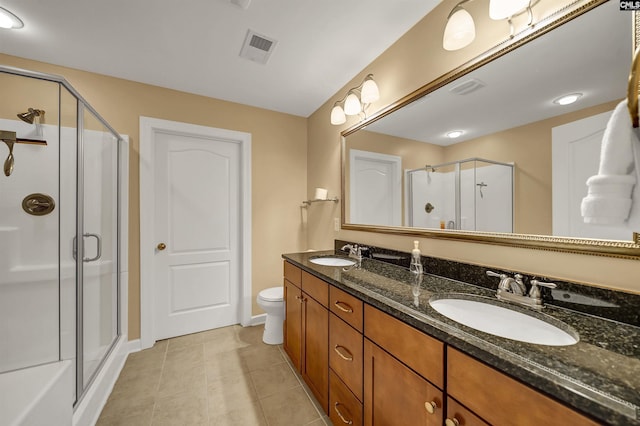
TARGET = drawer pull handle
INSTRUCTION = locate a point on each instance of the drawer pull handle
(452, 422)
(343, 307)
(339, 350)
(345, 421)
(430, 407)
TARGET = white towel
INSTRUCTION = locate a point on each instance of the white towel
(609, 199)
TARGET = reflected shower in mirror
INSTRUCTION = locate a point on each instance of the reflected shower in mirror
(507, 111)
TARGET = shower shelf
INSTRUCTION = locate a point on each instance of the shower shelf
(309, 202)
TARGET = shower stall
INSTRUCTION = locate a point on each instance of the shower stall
(471, 195)
(61, 270)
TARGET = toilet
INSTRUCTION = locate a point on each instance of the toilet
(271, 300)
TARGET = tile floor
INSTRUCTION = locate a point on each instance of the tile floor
(226, 376)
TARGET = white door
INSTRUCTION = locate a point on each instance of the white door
(375, 188)
(195, 229)
(575, 158)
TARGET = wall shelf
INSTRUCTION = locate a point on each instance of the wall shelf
(309, 202)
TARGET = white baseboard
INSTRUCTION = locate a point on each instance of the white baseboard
(257, 320)
(134, 346)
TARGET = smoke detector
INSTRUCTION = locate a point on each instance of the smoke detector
(257, 47)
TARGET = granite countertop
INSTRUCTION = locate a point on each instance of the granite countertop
(599, 375)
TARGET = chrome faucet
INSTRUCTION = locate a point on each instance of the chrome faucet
(355, 251)
(512, 289)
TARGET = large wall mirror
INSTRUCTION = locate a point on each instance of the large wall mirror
(516, 172)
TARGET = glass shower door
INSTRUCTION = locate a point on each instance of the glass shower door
(99, 229)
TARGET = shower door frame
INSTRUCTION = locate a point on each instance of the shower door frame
(457, 194)
(83, 106)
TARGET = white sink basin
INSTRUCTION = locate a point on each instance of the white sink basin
(332, 261)
(503, 322)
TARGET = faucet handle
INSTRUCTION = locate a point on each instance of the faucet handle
(497, 275)
(534, 293)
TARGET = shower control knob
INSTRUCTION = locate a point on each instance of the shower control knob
(162, 246)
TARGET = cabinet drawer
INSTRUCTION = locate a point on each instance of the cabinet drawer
(347, 307)
(316, 288)
(292, 273)
(459, 415)
(467, 381)
(422, 353)
(344, 407)
(345, 354)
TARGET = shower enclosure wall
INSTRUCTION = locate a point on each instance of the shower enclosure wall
(472, 195)
(60, 270)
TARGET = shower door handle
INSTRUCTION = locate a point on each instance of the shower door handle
(98, 248)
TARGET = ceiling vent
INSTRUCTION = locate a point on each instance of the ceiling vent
(257, 47)
(467, 87)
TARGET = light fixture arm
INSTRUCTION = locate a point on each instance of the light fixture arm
(528, 10)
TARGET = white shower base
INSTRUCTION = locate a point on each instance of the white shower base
(37, 395)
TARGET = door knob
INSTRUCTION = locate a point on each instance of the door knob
(162, 246)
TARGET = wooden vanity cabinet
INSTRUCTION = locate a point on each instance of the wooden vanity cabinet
(306, 330)
(499, 399)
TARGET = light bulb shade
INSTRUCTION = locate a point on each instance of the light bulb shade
(8, 20)
(460, 30)
(352, 105)
(337, 115)
(370, 92)
(504, 9)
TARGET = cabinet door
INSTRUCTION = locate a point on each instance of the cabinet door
(293, 323)
(395, 395)
(315, 350)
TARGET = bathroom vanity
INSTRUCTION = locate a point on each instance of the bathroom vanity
(373, 351)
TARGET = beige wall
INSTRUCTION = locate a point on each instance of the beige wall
(279, 169)
(416, 59)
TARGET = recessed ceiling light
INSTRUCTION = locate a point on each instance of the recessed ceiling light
(9, 21)
(455, 134)
(567, 99)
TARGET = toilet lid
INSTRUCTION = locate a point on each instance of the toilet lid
(272, 294)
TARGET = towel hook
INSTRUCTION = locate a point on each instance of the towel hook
(632, 90)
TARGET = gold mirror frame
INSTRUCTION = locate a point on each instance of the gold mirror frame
(608, 248)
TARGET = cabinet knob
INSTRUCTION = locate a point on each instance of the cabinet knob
(162, 246)
(344, 420)
(452, 422)
(431, 406)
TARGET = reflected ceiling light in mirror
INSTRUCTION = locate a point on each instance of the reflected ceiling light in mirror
(567, 99)
(455, 134)
(9, 21)
(356, 101)
(460, 30)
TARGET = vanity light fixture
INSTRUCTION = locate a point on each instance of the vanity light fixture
(460, 30)
(567, 99)
(9, 21)
(352, 104)
(455, 134)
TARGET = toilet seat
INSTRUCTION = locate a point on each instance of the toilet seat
(273, 294)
